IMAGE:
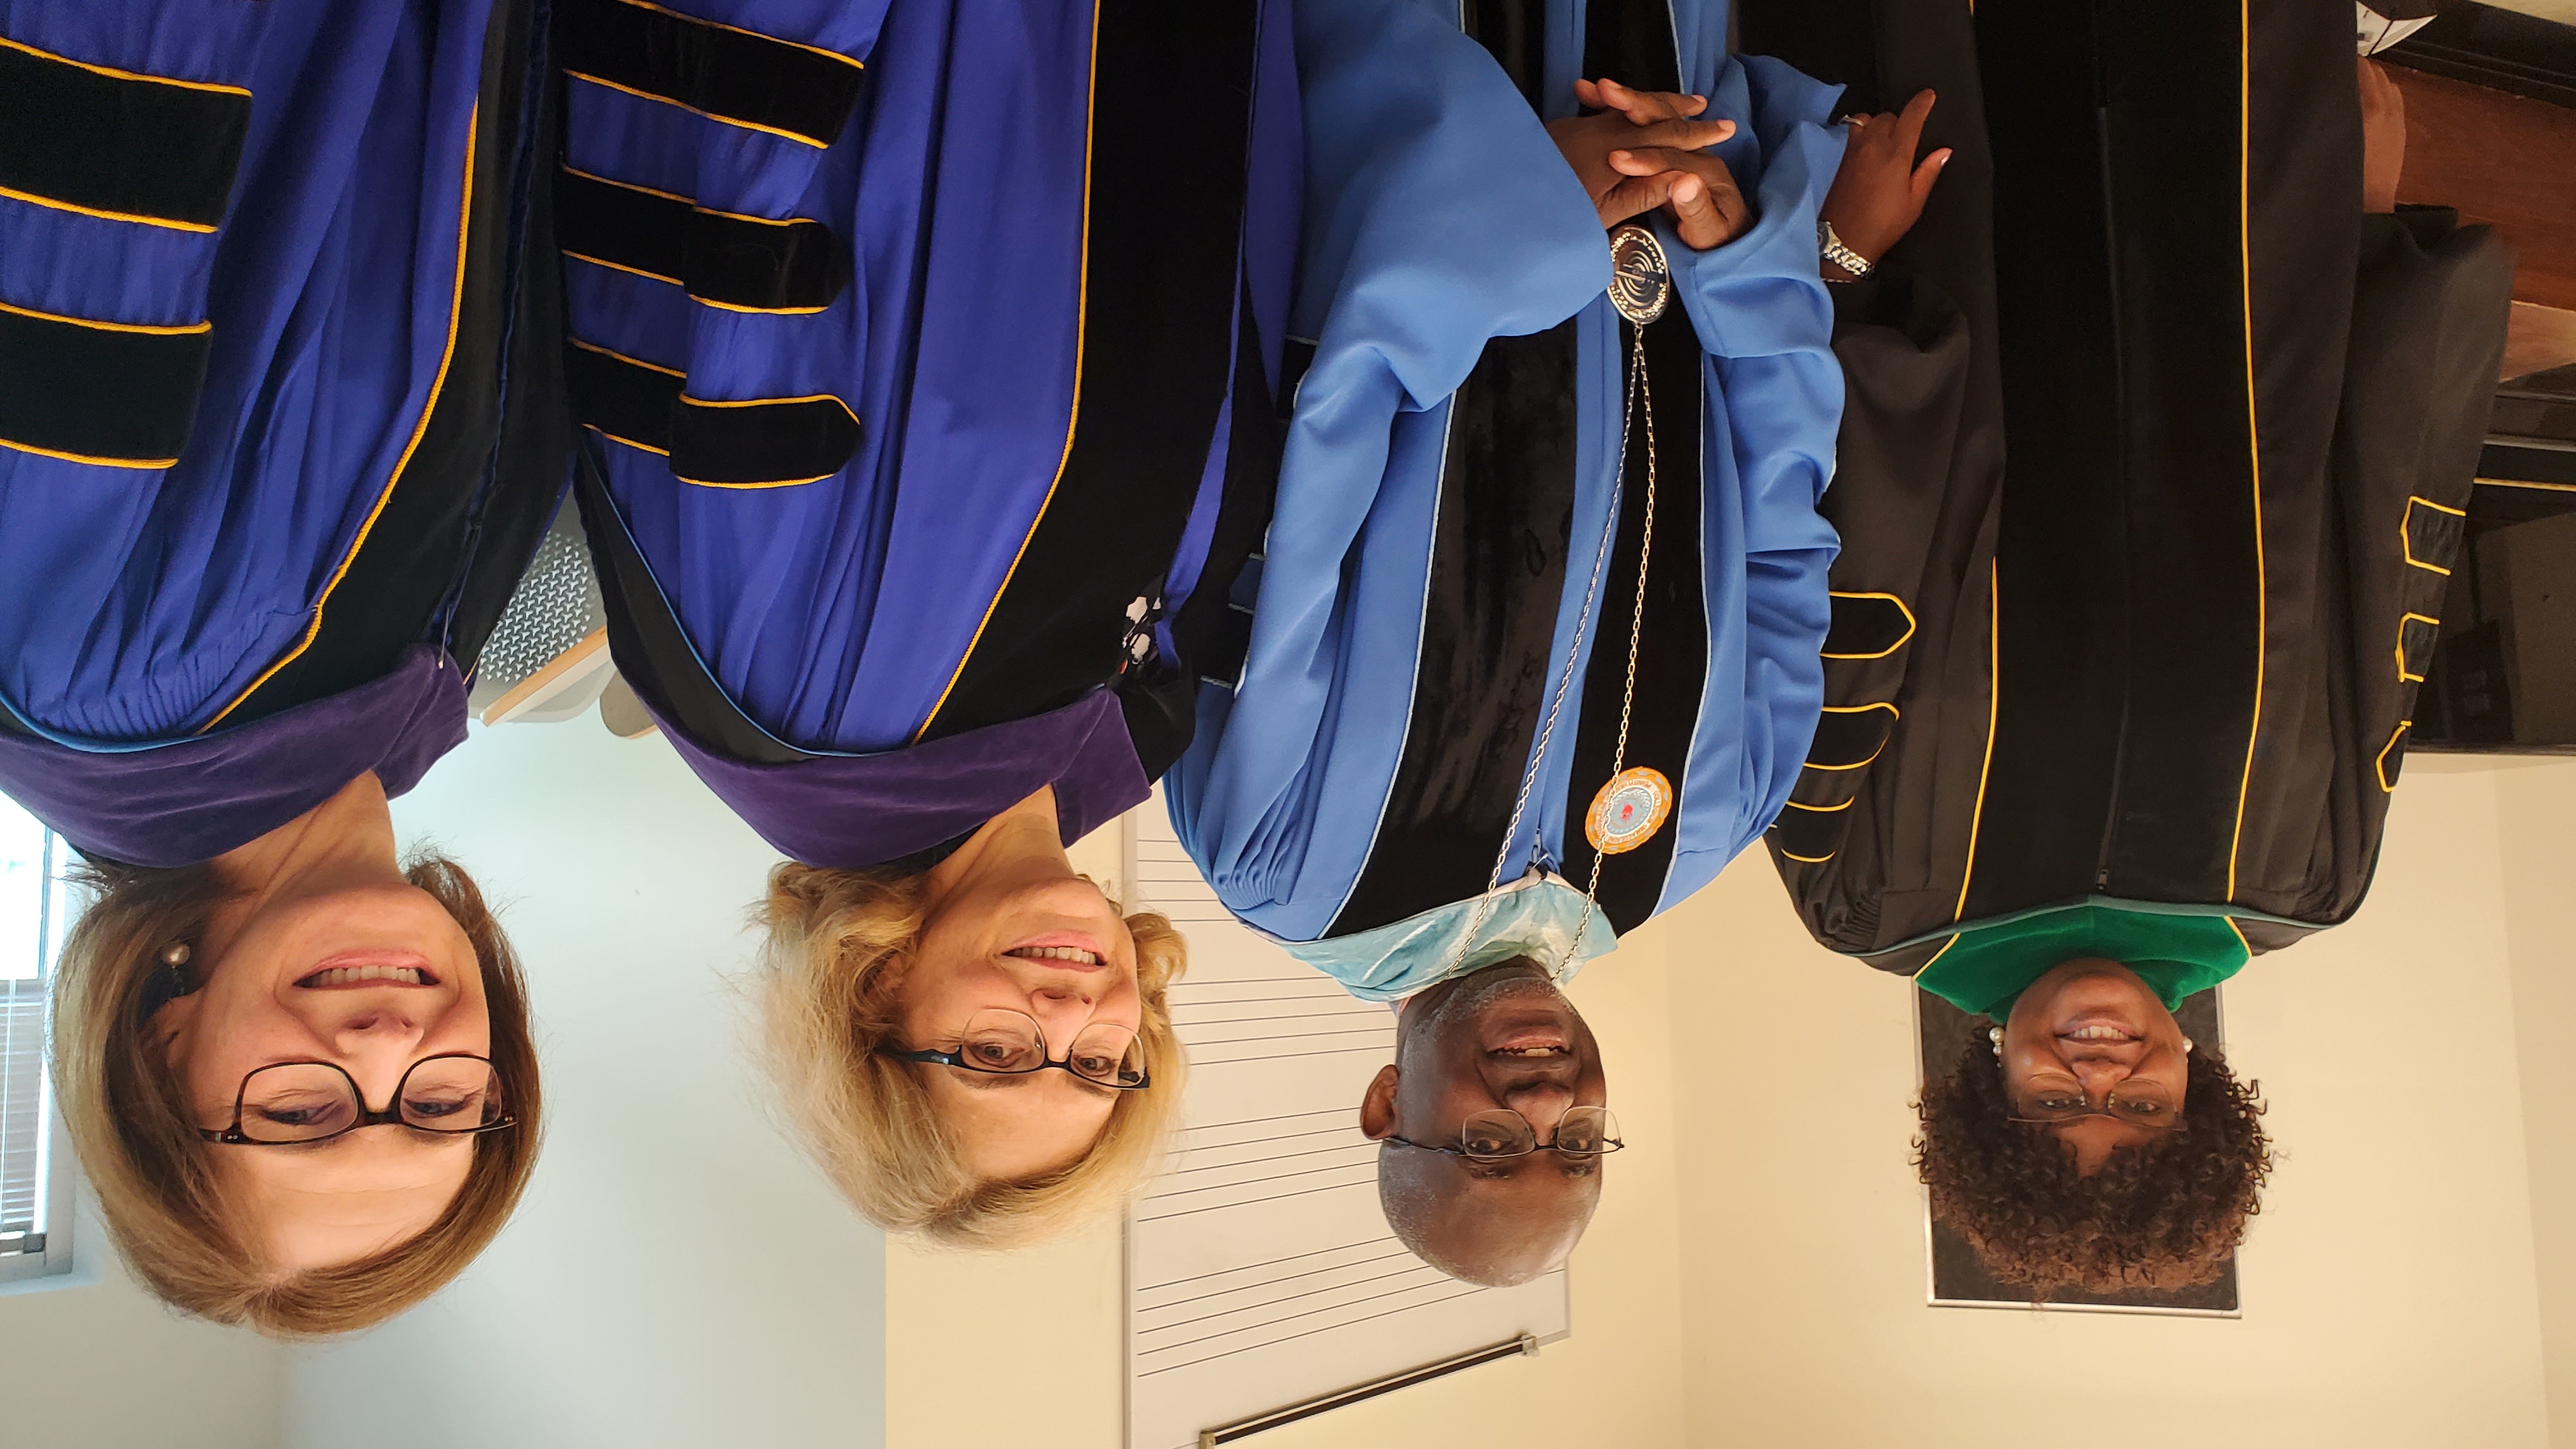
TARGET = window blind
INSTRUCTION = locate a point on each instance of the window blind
(22, 1110)
(33, 915)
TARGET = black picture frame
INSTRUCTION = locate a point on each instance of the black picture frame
(1958, 1280)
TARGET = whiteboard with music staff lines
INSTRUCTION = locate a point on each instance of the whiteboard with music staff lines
(1260, 1271)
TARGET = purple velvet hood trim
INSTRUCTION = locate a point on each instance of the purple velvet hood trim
(192, 799)
(849, 812)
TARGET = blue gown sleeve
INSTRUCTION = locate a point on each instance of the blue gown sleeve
(1439, 216)
(1776, 390)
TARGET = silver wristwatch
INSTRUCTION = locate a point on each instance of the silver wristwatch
(1831, 248)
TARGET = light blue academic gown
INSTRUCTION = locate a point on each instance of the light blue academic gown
(1440, 217)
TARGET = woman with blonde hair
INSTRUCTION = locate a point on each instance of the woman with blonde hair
(269, 467)
(966, 1144)
(926, 354)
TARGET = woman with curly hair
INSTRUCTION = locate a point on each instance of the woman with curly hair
(269, 468)
(925, 353)
(2086, 1143)
(2159, 426)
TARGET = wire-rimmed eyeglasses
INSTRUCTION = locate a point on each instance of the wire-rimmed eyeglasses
(1004, 1043)
(2055, 1107)
(1496, 1136)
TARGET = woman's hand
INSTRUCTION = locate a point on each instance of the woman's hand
(1645, 150)
(2383, 138)
(1879, 190)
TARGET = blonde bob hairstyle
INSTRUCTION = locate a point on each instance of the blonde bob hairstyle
(132, 1129)
(839, 942)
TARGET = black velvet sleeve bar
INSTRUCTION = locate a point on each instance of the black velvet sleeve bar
(721, 72)
(1877, 853)
(96, 392)
(125, 146)
(2429, 309)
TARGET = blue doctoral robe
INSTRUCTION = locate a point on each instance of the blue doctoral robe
(1350, 791)
(916, 400)
(256, 288)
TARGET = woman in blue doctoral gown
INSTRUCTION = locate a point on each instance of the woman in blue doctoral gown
(924, 353)
(1463, 628)
(274, 445)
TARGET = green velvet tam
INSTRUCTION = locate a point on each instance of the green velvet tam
(2177, 950)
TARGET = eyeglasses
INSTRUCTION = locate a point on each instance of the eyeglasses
(305, 1102)
(2057, 1106)
(1011, 1044)
(1495, 1136)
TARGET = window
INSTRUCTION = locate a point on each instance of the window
(36, 1173)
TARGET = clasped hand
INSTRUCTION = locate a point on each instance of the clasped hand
(1645, 150)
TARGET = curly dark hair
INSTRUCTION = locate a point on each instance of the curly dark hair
(2162, 1216)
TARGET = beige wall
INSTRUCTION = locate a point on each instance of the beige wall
(2537, 812)
(1767, 1288)
(2562, 11)
(2388, 1285)
(1063, 1364)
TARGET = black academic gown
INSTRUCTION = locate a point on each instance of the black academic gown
(2149, 480)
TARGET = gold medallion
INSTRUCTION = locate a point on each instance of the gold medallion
(1641, 281)
(1628, 811)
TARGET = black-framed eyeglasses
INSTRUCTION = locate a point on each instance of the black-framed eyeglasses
(2056, 1107)
(299, 1103)
(1498, 1136)
(1005, 1043)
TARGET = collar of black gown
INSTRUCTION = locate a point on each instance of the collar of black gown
(188, 800)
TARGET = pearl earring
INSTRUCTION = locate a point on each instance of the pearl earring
(1995, 1034)
(2186, 1044)
(165, 985)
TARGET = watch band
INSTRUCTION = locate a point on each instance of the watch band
(1831, 248)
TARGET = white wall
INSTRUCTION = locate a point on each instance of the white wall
(676, 1275)
(92, 1361)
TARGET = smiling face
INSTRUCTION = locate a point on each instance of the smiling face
(1500, 1038)
(326, 961)
(2090, 1035)
(1015, 930)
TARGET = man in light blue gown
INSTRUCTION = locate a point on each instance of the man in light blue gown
(1532, 649)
